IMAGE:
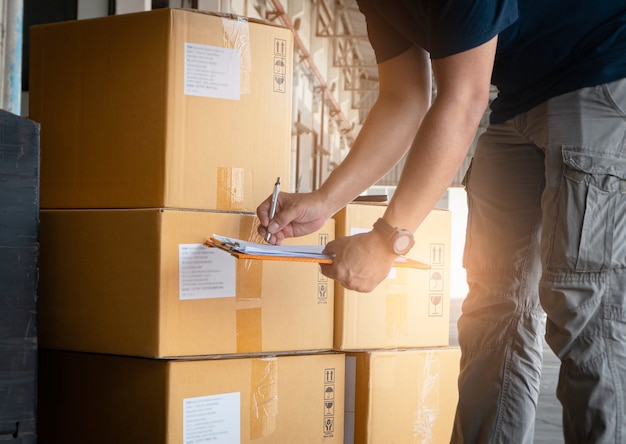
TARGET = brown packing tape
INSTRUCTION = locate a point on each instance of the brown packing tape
(396, 304)
(229, 188)
(248, 230)
(396, 309)
(249, 272)
(424, 416)
(248, 292)
(263, 397)
(237, 36)
(249, 330)
(249, 278)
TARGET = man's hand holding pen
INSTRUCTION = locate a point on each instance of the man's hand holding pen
(360, 264)
(295, 214)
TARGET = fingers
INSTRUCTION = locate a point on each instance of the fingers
(281, 219)
(272, 227)
(329, 249)
(357, 265)
(296, 215)
(327, 270)
(263, 213)
(279, 225)
(274, 239)
(347, 281)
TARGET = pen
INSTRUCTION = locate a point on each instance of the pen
(268, 235)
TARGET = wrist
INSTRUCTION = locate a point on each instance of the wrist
(398, 240)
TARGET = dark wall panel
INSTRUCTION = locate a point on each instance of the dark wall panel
(19, 258)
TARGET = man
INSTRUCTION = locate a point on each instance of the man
(546, 195)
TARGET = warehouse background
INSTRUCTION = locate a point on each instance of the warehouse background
(335, 76)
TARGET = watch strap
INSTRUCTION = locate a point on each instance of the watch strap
(382, 227)
(399, 241)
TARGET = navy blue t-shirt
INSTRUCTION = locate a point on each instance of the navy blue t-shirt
(545, 47)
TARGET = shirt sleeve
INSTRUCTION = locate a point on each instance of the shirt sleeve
(385, 39)
(441, 27)
(463, 25)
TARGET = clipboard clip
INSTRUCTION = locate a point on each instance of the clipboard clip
(229, 247)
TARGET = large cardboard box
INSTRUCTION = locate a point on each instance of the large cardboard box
(408, 309)
(140, 282)
(104, 399)
(165, 108)
(403, 396)
(19, 261)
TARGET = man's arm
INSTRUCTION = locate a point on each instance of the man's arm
(392, 123)
(403, 99)
(444, 137)
(439, 138)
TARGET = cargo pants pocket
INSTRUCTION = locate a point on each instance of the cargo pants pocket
(591, 194)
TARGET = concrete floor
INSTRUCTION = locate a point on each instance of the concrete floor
(548, 428)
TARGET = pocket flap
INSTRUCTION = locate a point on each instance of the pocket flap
(594, 163)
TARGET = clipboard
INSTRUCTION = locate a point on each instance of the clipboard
(234, 249)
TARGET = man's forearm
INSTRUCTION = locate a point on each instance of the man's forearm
(383, 140)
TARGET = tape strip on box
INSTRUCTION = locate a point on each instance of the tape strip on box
(249, 315)
(229, 189)
(237, 36)
(263, 397)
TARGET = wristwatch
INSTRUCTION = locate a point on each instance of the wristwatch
(400, 241)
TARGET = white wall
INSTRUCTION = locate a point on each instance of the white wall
(457, 204)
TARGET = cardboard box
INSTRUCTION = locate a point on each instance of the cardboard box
(404, 396)
(408, 309)
(19, 261)
(140, 282)
(165, 108)
(103, 399)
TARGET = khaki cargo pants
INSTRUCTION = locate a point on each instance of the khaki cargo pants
(547, 232)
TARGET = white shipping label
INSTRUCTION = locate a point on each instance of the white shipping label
(212, 419)
(211, 71)
(205, 273)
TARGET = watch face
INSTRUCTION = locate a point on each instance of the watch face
(402, 243)
(398, 239)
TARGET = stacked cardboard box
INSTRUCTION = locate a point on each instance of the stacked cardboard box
(158, 130)
(406, 395)
(397, 340)
(19, 259)
(141, 283)
(256, 399)
(408, 309)
(167, 108)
